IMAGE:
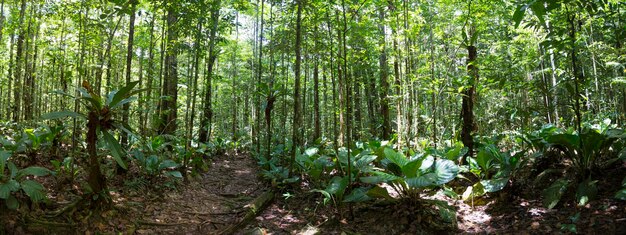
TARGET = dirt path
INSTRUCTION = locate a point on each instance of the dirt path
(207, 205)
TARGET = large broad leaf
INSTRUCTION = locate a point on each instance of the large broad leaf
(484, 158)
(33, 170)
(115, 147)
(7, 188)
(311, 151)
(423, 181)
(447, 212)
(621, 195)
(568, 140)
(123, 102)
(587, 191)
(552, 195)
(358, 195)
(476, 190)
(411, 168)
(34, 190)
(363, 162)
(12, 203)
(518, 15)
(457, 152)
(337, 186)
(445, 170)
(396, 157)
(62, 114)
(167, 164)
(121, 94)
(494, 185)
(176, 174)
(379, 177)
(327, 196)
(4, 156)
(379, 192)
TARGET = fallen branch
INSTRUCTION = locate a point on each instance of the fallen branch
(148, 223)
(48, 223)
(72, 206)
(213, 213)
(253, 209)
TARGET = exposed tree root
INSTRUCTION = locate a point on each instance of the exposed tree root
(252, 210)
(148, 223)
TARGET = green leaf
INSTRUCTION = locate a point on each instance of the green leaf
(33, 170)
(395, 157)
(7, 188)
(363, 162)
(447, 212)
(337, 186)
(357, 195)
(326, 195)
(519, 14)
(587, 191)
(176, 174)
(123, 102)
(12, 203)
(484, 158)
(568, 140)
(423, 181)
(61, 114)
(115, 147)
(445, 170)
(34, 190)
(167, 164)
(621, 195)
(121, 94)
(311, 151)
(378, 177)
(379, 192)
(494, 185)
(552, 195)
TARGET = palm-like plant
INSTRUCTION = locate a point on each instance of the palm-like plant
(99, 115)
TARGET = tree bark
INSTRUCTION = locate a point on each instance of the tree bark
(467, 108)
(129, 63)
(168, 104)
(207, 118)
(297, 115)
(384, 83)
(17, 96)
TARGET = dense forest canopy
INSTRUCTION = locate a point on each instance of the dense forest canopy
(293, 82)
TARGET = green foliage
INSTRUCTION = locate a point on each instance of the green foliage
(595, 148)
(15, 180)
(155, 165)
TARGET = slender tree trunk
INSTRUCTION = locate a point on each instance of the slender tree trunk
(467, 110)
(129, 63)
(168, 105)
(316, 102)
(384, 83)
(207, 118)
(297, 115)
(150, 80)
(18, 65)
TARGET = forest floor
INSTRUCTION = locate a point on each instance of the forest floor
(215, 201)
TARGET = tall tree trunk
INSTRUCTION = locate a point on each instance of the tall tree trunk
(384, 83)
(207, 118)
(467, 107)
(316, 102)
(17, 96)
(150, 81)
(168, 105)
(297, 115)
(129, 63)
